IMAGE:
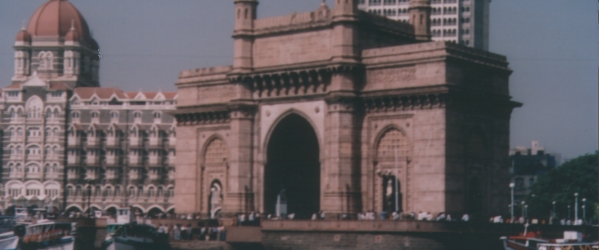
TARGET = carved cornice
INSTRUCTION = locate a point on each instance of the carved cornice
(404, 102)
(214, 114)
(343, 102)
(308, 79)
(208, 114)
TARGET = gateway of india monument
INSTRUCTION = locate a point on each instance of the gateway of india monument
(341, 111)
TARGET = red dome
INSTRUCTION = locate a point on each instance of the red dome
(23, 36)
(54, 18)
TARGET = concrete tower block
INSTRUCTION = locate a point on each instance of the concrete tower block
(420, 13)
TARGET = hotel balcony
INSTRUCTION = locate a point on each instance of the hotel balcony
(34, 157)
(112, 174)
(155, 161)
(74, 141)
(135, 174)
(135, 141)
(16, 138)
(51, 175)
(17, 120)
(91, 174)
(172, 161)
(37, 175)
(52, 157)
(52, 139)
(73, 160)
(16, 175)
(112, 160)
(93, 142)
(16, 156)
(35, 139)
(73, 174)
(155, 142)
(92, 160)
(134, 160)
(112, 141)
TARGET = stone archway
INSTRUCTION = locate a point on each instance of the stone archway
(476, 183)
(293, 165)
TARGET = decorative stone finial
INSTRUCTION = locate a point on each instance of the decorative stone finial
(23, 24)
(72, 24)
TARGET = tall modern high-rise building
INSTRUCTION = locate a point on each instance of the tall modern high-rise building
(462, 21)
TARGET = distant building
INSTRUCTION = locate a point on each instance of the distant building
(527, 165)
(465, 21)
(69, 143)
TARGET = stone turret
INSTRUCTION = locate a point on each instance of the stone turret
(245, 15)
(345, 7)
(420, 13)
(345, 31)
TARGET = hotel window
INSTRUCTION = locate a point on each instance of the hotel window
(32, 192)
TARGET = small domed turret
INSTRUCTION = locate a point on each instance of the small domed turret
(23, 36)
(73, 35)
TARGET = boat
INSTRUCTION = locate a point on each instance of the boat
(47, 235)
(572, 240)
(136, 236)
(8, 239)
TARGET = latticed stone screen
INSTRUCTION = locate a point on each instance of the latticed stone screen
(216, 152)
(391, 140)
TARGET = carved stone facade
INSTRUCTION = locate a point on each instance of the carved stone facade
(343, 111)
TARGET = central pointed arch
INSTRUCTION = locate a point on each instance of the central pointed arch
(293, 167)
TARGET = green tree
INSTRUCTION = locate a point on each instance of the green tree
(580, 175)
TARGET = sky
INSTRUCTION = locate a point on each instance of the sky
(552, 47)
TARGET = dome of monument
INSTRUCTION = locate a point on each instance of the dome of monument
(55, 19)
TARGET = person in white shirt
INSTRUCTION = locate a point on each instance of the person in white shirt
(466, 217)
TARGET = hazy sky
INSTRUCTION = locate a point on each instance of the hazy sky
(552, 46)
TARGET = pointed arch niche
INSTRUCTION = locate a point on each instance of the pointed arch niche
(392, 154)
(215, 157)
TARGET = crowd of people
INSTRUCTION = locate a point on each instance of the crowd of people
(187, 232)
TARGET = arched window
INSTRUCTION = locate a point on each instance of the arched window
(95, 114)
(157, 115)
(108, 191)
(75, 115)
(131, 191)
(43, 61)
(151, 192)
(70, 191)
(114, 115)
(137, 114)
(98, 191)
(34, 107)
